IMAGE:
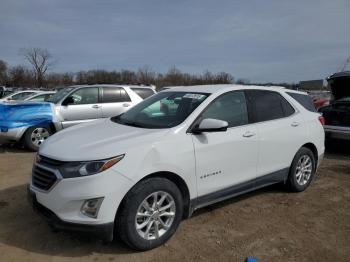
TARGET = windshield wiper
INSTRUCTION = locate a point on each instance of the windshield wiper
(127, 123)
(133, 124)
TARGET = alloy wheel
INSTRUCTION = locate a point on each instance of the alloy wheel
(39, 135)
(303, 170)
(155, 215)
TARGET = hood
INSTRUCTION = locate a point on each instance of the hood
(15, 115)
(340, 84)
(96, 140)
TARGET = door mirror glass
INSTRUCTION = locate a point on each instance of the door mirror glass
(211, 125)
(68, 101)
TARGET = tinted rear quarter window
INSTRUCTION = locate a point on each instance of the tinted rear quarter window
(115, 95)
(143, 92)
(268, 105)
(304, 100)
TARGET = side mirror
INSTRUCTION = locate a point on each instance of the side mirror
(68, 101)
(210, 125)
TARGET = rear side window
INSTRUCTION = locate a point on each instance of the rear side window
(143, 92)
(304, 100)
(268, 105)
(115, 95)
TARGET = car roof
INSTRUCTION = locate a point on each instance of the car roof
(114, 85)
(225, 88)
(344, 74)
(22, 91)
(44, 92)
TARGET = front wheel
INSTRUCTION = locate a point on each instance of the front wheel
(302, 170)
(150, 213)
(35, 136)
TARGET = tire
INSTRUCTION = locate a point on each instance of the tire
(135, 202)
(34, 136)
(299, 180)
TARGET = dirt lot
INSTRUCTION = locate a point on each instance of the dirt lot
(270, 225)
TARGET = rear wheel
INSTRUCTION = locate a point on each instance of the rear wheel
(35, 136)
(302, 170)
(150, 214)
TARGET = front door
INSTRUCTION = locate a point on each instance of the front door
(86, 107)
(226, 159)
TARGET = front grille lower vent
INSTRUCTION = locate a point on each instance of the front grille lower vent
(42, 178)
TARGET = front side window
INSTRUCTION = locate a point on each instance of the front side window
(268, 105)
(230, 107)
(163, 110)
(115, 95)
(87, 95)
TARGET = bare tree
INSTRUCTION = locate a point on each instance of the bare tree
(146, 75)
(41, 61)
(20, 76)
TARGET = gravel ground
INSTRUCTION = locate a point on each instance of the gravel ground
(270, 224)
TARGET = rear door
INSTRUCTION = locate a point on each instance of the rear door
(86, 107)
(281, 130)
(115, 101)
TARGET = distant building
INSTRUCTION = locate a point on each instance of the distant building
(311, 85)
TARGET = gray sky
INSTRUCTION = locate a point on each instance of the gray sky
(270, 40)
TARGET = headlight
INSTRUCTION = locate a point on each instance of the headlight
(78, 169)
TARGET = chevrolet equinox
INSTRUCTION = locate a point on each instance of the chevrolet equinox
(138, 174)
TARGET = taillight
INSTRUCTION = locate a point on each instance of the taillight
(322, 120)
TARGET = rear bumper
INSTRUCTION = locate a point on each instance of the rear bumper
(11, 135)
(99, 231)
(339, 132)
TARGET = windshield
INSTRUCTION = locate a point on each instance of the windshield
(57, 97)
(163, 110)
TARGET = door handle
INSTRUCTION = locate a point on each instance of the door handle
(96, 106)
(126, 105)
(248, 134)
(295, 124)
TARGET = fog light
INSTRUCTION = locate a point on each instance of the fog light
(91, 207)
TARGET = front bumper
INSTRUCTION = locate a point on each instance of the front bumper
(62, 202)
(100, 231)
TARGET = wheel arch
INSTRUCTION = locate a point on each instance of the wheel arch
(177, 180)
(313, 149)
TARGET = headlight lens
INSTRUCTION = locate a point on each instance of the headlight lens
(78, 169)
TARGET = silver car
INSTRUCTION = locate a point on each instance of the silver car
(19, 96)
(41, 97)
(32, 123)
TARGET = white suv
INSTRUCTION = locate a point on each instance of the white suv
(139, 174)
